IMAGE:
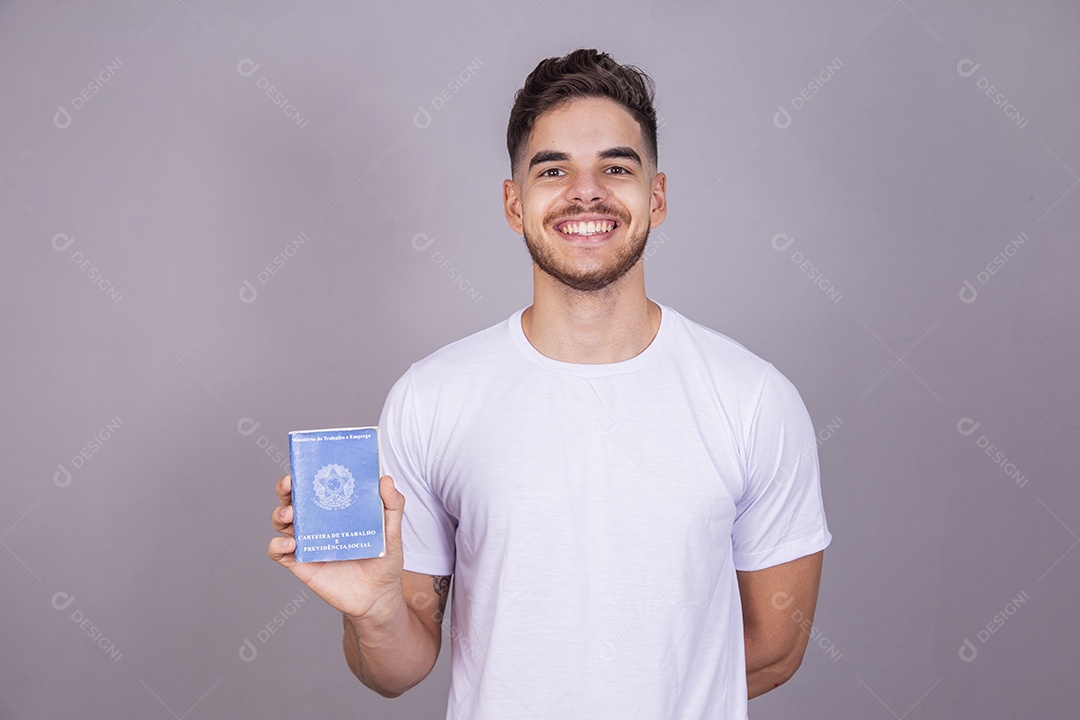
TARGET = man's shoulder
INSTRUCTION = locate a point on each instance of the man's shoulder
(717, 350)
(466, 355)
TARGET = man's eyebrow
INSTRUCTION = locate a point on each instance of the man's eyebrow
(623, 151)
(546, 156)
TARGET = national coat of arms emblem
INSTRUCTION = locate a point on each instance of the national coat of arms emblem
(334, 487)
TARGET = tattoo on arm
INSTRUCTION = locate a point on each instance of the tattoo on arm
(441, 585)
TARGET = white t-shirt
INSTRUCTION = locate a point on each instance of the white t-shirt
(593, 517)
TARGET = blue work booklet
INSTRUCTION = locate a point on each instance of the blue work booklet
(337, 511)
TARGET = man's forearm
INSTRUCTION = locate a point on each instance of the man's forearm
(762, 680)
(766, 669)
(391, 650)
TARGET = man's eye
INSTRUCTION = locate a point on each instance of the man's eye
(544, 173)
(622, 170)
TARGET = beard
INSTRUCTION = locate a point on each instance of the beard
(589, 281)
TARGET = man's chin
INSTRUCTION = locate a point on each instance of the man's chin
(586, 281)
(585, 284)
(593, 281)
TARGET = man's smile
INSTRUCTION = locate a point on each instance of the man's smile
(588, 227)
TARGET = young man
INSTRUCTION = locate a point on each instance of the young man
(629, 502)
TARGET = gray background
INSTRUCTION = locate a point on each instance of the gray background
(175, 179)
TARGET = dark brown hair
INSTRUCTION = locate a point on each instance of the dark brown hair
(583, 73)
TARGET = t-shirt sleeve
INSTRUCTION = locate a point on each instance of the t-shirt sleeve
(780, 516)
(427, 530)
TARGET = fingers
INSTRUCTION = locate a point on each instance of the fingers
(284, 490)
(282, 550)
(392, 499)
(394, 506)
(282, 517)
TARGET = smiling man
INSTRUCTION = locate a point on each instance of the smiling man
(628, 502)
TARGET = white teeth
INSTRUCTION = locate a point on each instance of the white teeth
(588, 228)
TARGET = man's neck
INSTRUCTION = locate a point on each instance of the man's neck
(606, 326)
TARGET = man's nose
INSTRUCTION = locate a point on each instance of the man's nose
(586, 187)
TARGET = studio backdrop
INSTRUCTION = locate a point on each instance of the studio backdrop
(225, 221)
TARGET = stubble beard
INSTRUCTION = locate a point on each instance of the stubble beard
(592, 281)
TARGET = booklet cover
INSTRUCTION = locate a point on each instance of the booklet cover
(337, 510)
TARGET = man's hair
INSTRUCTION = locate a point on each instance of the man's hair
(583, 73)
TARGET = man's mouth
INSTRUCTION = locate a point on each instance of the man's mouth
(594, 228)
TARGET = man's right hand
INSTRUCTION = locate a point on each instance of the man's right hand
(356, 588)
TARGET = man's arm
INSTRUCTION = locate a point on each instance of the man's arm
(778, 610)
(392, 617)
(373, 644)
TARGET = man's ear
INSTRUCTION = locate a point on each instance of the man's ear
(512, 206)
(658, 202)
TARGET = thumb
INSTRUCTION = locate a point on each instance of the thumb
(394, 507)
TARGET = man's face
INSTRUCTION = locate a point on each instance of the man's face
(585, 163)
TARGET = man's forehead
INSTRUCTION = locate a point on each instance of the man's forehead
(585, 123)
